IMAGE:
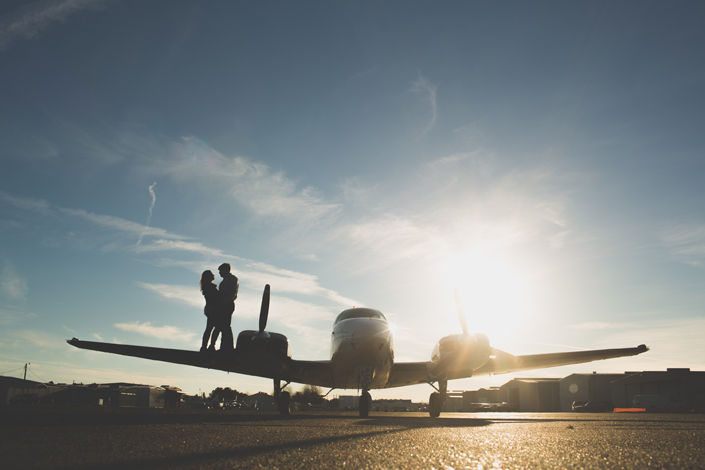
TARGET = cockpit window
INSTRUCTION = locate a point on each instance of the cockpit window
(360, 313)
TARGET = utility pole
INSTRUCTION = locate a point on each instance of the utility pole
(25, 371)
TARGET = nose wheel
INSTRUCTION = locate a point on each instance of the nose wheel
(365, 404)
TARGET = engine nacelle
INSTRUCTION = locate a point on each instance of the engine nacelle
(471, 351)
(250, 341)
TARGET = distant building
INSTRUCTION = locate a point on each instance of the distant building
(348, 402)
(532, 394)
(394, 405)
(586, 387)
(115, 394)
(260, 401)
(14, 389)
(680, 385)
(454, 402)
(473, 398)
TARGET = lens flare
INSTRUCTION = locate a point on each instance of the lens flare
(495, 295)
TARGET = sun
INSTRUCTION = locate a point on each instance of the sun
(494, 293)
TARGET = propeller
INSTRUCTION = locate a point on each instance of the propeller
(443, 364)
(461, 313)
(262, 335)
(264, 310)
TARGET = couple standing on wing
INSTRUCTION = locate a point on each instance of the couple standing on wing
(220, 305)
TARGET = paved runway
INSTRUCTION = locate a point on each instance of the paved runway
(87, 437)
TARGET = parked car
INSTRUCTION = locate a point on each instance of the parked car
(593, 406)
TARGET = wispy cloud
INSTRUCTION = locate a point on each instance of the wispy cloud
(12, 284)
(291, 281)
(592, 326)
(309, 257)
(426, 91)
(151, 208)
(253, 185)
(26, 203)
(166, 332)
(188, 161)
(10, 316)
(686, 243)
(451, 159)
(160, 240)
(116, 223)
(175, 245)
(33, 17)
(465, 195)
(189, 295)
(38, 338)
(667, 338)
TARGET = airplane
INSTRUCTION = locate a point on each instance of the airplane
(362, 358)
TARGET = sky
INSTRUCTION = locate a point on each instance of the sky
(545, 158)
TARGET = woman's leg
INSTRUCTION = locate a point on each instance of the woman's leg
(216, 332)
(207, 334)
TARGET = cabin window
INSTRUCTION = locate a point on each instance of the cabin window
(360, 313)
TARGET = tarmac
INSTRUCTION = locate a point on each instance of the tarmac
(48, 437)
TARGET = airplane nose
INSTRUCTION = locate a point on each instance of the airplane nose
(375, 332)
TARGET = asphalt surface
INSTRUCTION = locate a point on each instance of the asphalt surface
(45, 437)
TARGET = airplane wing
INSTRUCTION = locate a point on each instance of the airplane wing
(503, 362)
(260, 365)
(409, 373)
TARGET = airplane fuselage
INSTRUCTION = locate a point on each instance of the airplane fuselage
(362, 349)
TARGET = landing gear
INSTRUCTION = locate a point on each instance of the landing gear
(438, 399)
(435, 403)
(365, 404)
(283, 403)
(283, 399)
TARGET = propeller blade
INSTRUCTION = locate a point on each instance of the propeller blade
(264, 311)
(461, 313)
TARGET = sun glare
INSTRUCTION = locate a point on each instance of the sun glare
(494, 294)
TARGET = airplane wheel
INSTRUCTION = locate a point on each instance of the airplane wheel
(283, 403)
(435, 403)
(364, 404)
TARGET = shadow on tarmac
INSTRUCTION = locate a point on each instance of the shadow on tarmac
(366, 428)
(64, 416)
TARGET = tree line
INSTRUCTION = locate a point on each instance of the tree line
(309, 394)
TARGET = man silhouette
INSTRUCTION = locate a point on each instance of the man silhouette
(228, 291)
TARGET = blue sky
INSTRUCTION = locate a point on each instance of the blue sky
(547, 158)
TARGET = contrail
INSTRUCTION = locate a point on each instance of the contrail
(151, 207)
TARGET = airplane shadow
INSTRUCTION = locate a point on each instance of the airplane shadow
(59, 416)
(64, 416)
(390, 425)
(368, 428)
(415, 422)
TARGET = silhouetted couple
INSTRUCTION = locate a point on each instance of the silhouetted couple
(220, 305)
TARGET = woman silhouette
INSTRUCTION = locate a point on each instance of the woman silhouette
(211, 310)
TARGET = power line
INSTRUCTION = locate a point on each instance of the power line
(32, 372)
(19, 368)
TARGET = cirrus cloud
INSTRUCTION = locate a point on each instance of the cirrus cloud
(166, 332)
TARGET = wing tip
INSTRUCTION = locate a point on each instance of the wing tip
(642, 348)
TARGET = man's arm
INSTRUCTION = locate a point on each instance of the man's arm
(228, 289)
